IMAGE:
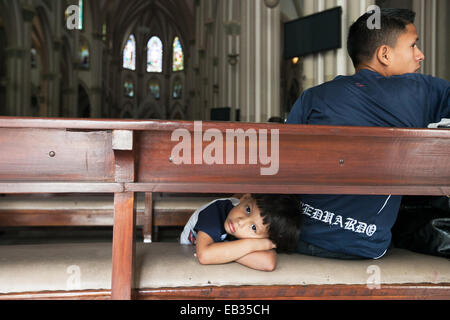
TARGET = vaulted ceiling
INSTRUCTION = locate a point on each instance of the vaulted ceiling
(123, 16)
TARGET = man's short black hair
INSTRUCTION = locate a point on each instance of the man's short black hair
(282, 213)
(362, 42)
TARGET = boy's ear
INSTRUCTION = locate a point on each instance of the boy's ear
(246, 196)
(383, 55)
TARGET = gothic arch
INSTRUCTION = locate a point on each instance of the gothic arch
(3, 66)
(11, 14)
(177, 112)
(84, 101)
(127, 111)
(42, 42)
(151, 109)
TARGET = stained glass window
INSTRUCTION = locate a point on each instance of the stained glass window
(177, 89)
(129, 88)
(33, 58)
(178, 56)
(129, 54)
(84, 55)
(154, 55)
(80, 16)
(104, 30)
(154, 88)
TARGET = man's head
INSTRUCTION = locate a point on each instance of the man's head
(390, 50)
(276, 217)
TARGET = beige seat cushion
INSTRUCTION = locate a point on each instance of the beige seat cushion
(58, 267)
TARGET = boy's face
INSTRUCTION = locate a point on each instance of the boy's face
(406, 56)
(245, 221)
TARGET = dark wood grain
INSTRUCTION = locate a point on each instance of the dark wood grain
(309, 292)
(310, 161)
(124, 246)
(416, 291)
(22, 187)
(72, 155)
(148, 217)
(88, 217)
(31, 154)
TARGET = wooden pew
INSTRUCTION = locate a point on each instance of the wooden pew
(97, 210)
(127, 156)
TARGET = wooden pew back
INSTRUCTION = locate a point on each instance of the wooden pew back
(127, 156)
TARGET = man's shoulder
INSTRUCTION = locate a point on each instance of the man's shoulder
(334, 85)
(423, 79)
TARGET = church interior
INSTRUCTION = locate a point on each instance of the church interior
(221, 60)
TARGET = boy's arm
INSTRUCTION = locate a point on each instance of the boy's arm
(260, 260)
(210, 252)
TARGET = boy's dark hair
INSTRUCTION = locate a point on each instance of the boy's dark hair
(362, 42)
(282, 213)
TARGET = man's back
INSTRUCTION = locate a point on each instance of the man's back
(361, 225)
(370, 99)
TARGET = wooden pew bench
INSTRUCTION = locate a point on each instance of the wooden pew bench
(96, 210)
(83, 271)
(125, 158)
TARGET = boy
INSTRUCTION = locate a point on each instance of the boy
(257, 223)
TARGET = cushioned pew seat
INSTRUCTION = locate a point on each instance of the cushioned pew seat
(57, 267)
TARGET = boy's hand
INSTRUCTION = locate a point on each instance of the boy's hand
(264, 244)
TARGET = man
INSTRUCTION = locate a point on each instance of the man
(385, 91)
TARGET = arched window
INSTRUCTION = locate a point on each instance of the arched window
(178, 56)
(33, 58)
(104, 32)
(177, 89)
(154, 88)
(80, 17)
(129, 54)
(84, 55)
(154, 55)
(128, 87)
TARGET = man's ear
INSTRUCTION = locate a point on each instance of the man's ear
(383, 55)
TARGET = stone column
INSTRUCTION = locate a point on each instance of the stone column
(259, 60)
(443, 41)
(308, 61)
(52, 84)
(426, 23)
(329, 68)
(69, 100)
(95, 100)
(28, 14)
(18, 61)
(14, 79)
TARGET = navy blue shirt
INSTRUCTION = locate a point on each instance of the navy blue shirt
(357, 224)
